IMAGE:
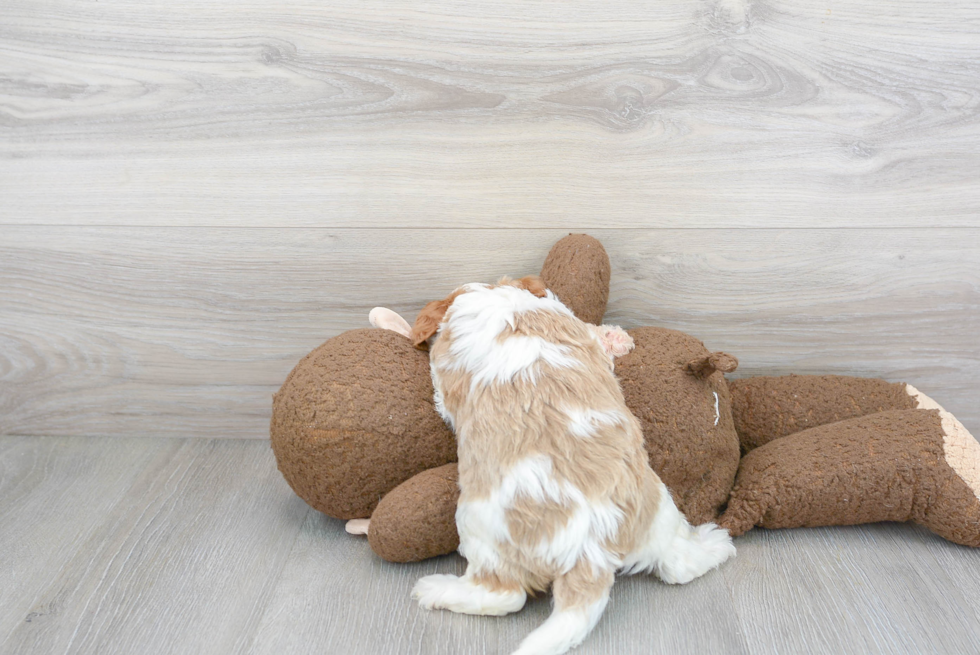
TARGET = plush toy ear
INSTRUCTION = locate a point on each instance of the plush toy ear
(704, 366)
(382, 317)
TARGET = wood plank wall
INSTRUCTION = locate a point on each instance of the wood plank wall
(194, 195)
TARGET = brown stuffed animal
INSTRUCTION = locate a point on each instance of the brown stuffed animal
(355, 419)
(356, 435)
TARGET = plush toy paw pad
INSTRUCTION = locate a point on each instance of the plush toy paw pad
(357, 526)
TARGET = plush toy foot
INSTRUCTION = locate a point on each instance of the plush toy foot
(917, 465)
(466, 596)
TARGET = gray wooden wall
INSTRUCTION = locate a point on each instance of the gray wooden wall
(195, 194)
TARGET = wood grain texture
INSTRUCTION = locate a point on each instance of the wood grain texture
(153, 546)
(182, 562)
(334, 576)
(54, 497)
(709, 113)
(854, 589)
(156, 332)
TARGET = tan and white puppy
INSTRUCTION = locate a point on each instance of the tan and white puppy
(555, 486)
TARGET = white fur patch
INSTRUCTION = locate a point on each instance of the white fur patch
(438, 397)
(584, 536)
(585, 422)
(477, 317)
(502, 361)
(482, 526)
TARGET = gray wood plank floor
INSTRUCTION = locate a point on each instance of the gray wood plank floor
(114, 545)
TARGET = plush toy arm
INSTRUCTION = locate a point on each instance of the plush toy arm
(417, 519)
(382, 317)
(577, 271)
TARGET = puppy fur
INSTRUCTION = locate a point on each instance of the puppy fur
(555, 485)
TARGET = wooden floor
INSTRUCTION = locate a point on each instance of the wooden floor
(198, 546)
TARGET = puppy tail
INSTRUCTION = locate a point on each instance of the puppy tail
(580, 598)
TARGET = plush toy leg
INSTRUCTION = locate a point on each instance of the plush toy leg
(767, 408)
(917, 465)
(417, 519)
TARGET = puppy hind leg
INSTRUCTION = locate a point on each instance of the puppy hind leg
(484, 594)
(580, 597)
(675, 550)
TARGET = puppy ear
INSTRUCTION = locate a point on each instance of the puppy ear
(428, 320)
(532, 283)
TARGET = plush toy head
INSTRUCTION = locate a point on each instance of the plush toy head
(354, 419)
(677, 389)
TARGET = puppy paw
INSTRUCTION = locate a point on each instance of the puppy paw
(614, 339)
(464, 596)
(431, 591)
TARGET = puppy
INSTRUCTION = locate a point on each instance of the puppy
(555, 485)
